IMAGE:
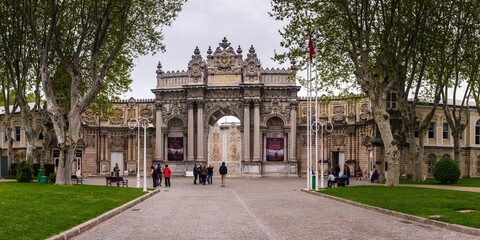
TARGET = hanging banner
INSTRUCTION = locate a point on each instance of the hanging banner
(175, 148)
(274, 149)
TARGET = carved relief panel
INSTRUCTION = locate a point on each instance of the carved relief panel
(338, 113)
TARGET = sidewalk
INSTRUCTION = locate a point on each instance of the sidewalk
(456, 188)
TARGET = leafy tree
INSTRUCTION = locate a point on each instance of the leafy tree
(89, 38)
(22, 72)
(362, 43)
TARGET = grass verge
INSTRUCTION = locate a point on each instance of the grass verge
(38, 211)
(421, 202)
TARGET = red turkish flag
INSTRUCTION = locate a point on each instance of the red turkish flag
(310, 46)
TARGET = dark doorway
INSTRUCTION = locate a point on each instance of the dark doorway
(334, 159)
(4, 166)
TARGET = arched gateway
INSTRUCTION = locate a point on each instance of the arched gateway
(264, 100)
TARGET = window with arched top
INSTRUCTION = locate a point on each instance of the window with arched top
(477, 132)
(432, 159)
(446, 156)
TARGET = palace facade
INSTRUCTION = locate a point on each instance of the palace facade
(269, 139)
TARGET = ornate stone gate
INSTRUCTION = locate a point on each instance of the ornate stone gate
(265, 100)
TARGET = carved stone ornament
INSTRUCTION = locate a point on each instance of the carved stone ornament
(196, 66)
(338, 140)
(252, 66)
(118, 118)
(158, 105)
(146, 112)
(339, 118)
(339, 109)
(173, 109)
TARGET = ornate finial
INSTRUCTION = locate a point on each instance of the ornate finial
(239, 50)
(159, 68)
(224, 44)
(293, 67)
(197, 51)
(252, 50)
(209, 51)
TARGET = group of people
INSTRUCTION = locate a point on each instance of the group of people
(157, 175)
(202, 172)
(335, 173)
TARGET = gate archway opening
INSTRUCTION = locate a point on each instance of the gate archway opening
(225, 142)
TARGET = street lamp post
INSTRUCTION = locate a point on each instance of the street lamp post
(145, 123)
(328, 127)
(135, 124)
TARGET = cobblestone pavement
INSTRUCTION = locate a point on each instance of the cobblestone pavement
(254, 209)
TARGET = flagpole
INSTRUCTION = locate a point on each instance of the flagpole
(316, 133)
(308, 129)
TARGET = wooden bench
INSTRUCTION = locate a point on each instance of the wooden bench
(116, 180)
(341, 182)
(79, 180)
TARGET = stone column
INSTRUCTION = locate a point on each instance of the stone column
(246, 130)
(256, 130)
(200, 128)
(190, 155)
(158, 132)
(293, 131)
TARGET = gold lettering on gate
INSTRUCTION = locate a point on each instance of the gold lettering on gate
(224, 78)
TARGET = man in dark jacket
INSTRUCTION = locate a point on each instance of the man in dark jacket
(195, 173)
(223, 171)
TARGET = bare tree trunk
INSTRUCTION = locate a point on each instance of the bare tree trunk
(457, 150)
(417, 155)
(392, 153)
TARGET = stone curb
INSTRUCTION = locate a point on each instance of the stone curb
(72, 232)
(448, 226)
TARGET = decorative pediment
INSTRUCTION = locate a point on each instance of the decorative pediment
(196, 67)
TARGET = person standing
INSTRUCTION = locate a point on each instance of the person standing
(210, 173)
(199, 176)
(195, 173)
(346, 172)
(153, 172)
(360, 174)
(223, 171)
(203, 174)
(159, 175)
(167, 172)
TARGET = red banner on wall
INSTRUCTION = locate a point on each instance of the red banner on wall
(175, 148)
(275, 149)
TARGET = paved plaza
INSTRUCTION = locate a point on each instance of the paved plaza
(259, 208)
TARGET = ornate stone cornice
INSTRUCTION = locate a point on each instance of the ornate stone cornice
(190, 104)
(201, 103)
(158, 106)
(246, 103)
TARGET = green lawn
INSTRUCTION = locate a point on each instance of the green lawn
(463, 182)
(417, 201)
(38, 211)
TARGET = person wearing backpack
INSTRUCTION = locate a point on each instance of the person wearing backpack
(223, 171)
(167, 172)
(159, 175)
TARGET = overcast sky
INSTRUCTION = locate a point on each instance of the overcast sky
(204, 23)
